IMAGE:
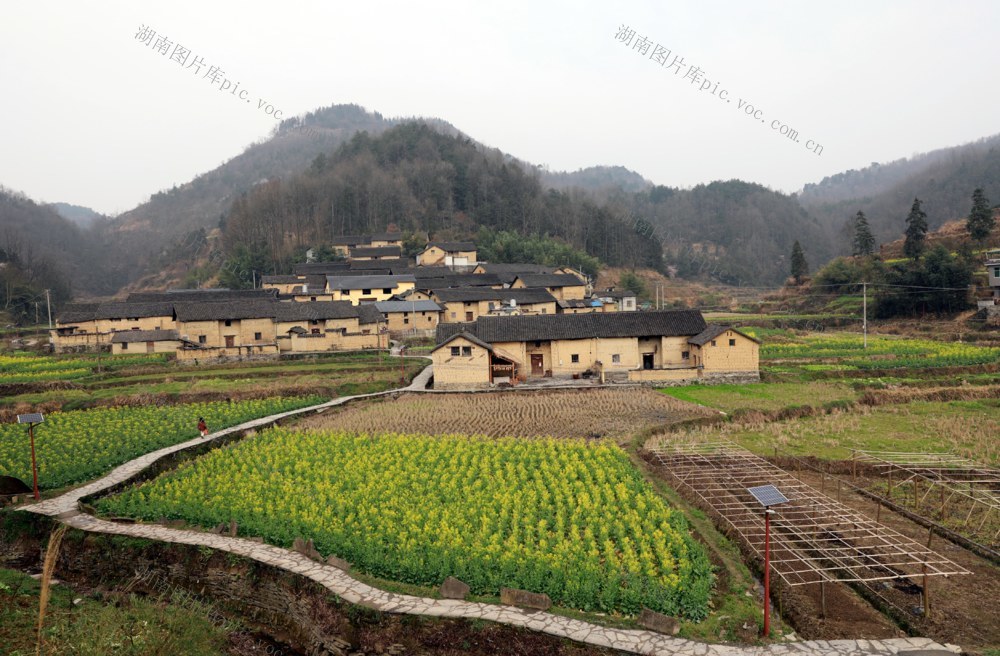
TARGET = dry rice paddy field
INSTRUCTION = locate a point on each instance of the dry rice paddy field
(610, 413)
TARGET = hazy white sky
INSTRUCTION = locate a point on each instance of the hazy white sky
(91, 115)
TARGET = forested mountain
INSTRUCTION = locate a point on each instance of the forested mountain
(943, 180)
(38, 250)
(594, 178)
(736, 232)
(81, 216)
(419, 179)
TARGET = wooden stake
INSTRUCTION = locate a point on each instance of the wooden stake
(878, 511)
(822, 599)
(927, 595)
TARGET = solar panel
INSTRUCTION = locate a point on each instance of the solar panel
(33, 418)
(767, 495)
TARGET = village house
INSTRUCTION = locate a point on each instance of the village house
(470, 303)
(448, 253)
(622, 300)
(410, 317)
(327, 326)
(583, 306)
(130, 342)
(88, 326)
(367, 289)
(227, 328)
(342, 245)
(363, 253)
(655, 347)
(281, 284)
(564, 286)
(387, 239)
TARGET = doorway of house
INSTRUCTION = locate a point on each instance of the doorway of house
(537, 365)
(230, 341)
(647, 360)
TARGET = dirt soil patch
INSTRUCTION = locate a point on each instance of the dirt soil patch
(614, 413)
(965, 610)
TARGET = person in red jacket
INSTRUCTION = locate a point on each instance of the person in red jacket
(202, 427)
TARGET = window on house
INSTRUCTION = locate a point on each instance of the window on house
(544, 311)
(996, 272)
(732, 342)
(124, 346)
(366, 291)
(430, 318)
(538, 345)
(455, 351)
(575, 358)
(616, 358)
(406, 319)
(713, 342)
(257, 337)
(387, 290)
(229, 322)
(202, 339)
(312, 298)
(685, 355)
(467, 351)
(453, 315)
(314, 331)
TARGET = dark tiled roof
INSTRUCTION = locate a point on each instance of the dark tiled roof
(315, 310)
(225, 310)
(391, 263)
(316, 282)
(377, 251)
(366, 282)
(615, 294)
(550, 280)
(520, 296)
(453, 246)
(76, 312)
(460, 280)
(130, 310)
(321, 268)
(446, 330)
(515, 267)
(181, 295)
(578, 303)
(368, 313)
(469, 336)
(585, 326)
(350, 240)
(713, 331)
(387, 236)
(129, 336)
(280, 280)
(407, 306)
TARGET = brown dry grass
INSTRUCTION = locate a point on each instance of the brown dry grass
(614, 413)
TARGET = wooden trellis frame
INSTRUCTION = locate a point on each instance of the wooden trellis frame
(814, 538)
(950, 475)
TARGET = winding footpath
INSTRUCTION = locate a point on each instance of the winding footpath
(66, 509)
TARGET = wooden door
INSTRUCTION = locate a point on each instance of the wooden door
(150, 347)
(647, 360)
(230, 341)
(537, 365)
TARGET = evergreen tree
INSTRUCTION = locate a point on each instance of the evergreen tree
(799, 265)
(916, 231)
(981, 221)
(864, 240)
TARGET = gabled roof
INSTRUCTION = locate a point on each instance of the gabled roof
(365, 282)
(407, 306)
(77, 312)
(368, 313)
(464, 335)
(180, 295)
(315, 311)
(130, 336)
(316, 282)
(387, 236)
(452, 246)
(350, 240)
(528, 328)
(226, 310)
(390, 263)
(129, 310)
(713, 331)
(459, 280)
(280, 280)
(320, 268)
(550, 280)
(522, 296)
(376, 251)
(579, 303)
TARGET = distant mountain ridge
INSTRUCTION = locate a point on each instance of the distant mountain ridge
(81, 216)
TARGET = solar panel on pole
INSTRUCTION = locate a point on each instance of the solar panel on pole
(767, 495)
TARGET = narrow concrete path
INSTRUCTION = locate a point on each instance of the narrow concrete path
(66, 509)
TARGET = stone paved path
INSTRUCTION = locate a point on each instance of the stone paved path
(66, 509)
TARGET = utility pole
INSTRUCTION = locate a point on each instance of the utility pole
(48, 304)
(864, 290)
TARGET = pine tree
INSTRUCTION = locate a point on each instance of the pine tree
(981, 221)
(864, 240)
(799, 265)
(916, 231)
